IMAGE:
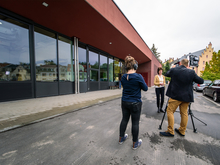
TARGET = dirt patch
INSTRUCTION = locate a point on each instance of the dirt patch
(202, 151)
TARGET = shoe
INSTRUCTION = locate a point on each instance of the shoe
(167, 134)
(162, 110)
(178, 132)
(158, 111)
(137, 144)
(122, 139)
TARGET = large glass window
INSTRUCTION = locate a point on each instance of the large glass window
(123, 68)
(93, 75)
(45, 55)
(110, 70)
(66, 72)
(93, 60)
(82, 64)
(14, 50)
(103, 68)
(116, 70)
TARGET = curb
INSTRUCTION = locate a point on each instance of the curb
(20, 121)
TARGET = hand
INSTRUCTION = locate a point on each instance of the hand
(173, 66)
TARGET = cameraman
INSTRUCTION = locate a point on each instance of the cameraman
(180, 92)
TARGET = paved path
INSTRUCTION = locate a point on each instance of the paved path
(90, 137)
(22, 112)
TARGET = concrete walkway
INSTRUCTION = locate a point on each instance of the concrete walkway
(17, 113)
(90, 137)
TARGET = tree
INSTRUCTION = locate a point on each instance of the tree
(166, 67)
(212, 70)
(154, 50)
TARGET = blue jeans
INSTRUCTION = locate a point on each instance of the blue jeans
(132, 109)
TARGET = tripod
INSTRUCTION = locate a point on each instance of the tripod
(189, 113)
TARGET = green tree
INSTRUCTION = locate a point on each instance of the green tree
(154, 50)
(212, 70)
(166, 67)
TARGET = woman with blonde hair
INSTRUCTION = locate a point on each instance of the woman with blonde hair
(131, 100)
(159, 82)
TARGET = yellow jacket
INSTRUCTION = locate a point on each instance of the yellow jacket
(157, 82)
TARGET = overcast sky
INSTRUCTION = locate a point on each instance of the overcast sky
(176, 27)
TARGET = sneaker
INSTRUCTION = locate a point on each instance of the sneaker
(122, 139)
(167, 134)
(137, 144)
(178, 132)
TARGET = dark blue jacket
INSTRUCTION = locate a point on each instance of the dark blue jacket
(181, 84)
(132, 87)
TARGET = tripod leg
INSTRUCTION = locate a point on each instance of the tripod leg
(200, 120)
(160, 126)
(194, 129)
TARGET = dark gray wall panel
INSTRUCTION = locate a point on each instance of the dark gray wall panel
(113, 83)
(83, 87)
(15, 90)
(44, 89)
(94, 86)
(66, 88)
(104, 85)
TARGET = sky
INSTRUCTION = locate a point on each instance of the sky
(176, 27)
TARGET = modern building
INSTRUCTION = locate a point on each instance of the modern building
(50, 48)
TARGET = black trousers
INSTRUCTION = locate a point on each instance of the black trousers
(132, 109)
(160, 94)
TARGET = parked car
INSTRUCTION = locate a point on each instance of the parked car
(200, 87)
(213, 90)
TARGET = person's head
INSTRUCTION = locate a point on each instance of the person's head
(184, 62)
(129, 63)
(159, 70)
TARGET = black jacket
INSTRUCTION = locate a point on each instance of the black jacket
(181, 84)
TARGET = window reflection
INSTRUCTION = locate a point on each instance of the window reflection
(111, 64)
(14, 50)
(93, 75)
(116, 70)
(93, 60)
(45, 55)
(103, 68)
(123, 67)
(66, 72)
(82, 65)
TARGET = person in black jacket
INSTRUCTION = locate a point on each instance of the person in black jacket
(180, 93)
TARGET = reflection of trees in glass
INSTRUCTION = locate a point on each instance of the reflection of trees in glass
(116, 67)
(111, 71)
(116, 70)
(123, 68)
(82, 71)
(48, 62)
(82, 63)
(93, 75)
(105, 65)
(95, 66)
(103, 75)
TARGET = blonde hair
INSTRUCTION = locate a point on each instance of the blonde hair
(129, 62)
(184, 62)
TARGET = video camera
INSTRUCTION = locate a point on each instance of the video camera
(193, 60)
